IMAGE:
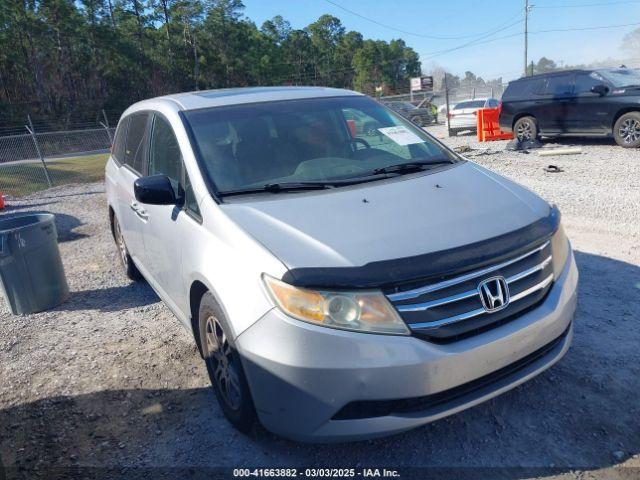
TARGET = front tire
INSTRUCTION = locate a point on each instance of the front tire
(224, 365)
(130, 270)
(626, 131)
(526, 128)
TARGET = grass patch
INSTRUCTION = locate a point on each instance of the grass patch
(25, 178)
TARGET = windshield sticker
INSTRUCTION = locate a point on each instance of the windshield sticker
(401, 135)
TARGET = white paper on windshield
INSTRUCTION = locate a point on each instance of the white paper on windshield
(401, 135)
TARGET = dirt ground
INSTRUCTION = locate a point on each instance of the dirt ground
(110, 384)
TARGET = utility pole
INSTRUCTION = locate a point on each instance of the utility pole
(446, 99)
(526, 35)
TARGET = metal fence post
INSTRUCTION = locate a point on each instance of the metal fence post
(105, 125)
(446, 99)
(35, 141)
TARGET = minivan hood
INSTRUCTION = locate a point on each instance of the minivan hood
(389, 219)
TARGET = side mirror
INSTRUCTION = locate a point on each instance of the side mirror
(154, 190)
(601, 89)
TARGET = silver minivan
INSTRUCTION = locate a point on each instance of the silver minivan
(343, 273)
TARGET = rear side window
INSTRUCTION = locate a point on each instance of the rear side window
(118, 142)
(135, 145)
(524, 89)
(560, 85)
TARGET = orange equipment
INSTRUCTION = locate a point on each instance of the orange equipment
(489, 126)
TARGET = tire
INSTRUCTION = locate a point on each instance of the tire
(224, 365)
(525, 128)
(626, 130)
(128, 266)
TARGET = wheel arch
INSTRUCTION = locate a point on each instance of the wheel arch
(199, 286)
(621, 112)
(112, 215)
(196, 292)
(518, 116)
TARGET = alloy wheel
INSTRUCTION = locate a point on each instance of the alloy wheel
(222, 363)
(630, 130)
(524, 131)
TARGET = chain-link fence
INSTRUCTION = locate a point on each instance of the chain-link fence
(456, 95)
(35, 156)
(46, 152)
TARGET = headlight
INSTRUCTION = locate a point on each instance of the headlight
(367, 311)
(559, 251)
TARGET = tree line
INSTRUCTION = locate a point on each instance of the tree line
(66, 57)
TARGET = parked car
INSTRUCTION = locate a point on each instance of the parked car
(336, 290)
(602, 102)
(421, 116)
(442, 110)
(464, 115)
(428, 103)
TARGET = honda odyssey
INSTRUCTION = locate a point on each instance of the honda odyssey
(344, 275)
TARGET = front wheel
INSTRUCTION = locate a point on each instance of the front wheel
(526, 128)
(224, 365)
(627, 130)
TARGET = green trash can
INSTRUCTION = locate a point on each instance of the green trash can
(31, 272)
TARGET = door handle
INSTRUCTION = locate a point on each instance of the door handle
(139, 210)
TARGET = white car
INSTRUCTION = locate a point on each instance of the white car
(464, 116)
(343, 274)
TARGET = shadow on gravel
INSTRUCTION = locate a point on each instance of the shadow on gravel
(581, 414)
(111, 299)
(580, 141)
(65, 224)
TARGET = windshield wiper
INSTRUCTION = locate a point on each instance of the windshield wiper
(409, 167)
(279, 187)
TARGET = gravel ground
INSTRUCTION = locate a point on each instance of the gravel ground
(110, 380)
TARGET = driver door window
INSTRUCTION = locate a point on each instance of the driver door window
(585, 82)
(165, 157)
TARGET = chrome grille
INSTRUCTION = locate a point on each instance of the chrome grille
(453, 307)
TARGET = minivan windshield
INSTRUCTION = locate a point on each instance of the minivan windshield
(622, 77)
(297, 143)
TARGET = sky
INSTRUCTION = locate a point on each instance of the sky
(474, 20)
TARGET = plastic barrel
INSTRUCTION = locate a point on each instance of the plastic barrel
(31, 273)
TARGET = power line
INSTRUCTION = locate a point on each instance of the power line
(581, 29)
(477, 41)
(473, 44)
(581, 5)
(406, 32)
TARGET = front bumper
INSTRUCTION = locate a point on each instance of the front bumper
(301, 375)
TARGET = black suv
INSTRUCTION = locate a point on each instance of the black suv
(599, 102)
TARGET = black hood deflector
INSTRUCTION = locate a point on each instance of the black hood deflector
(430, 266)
